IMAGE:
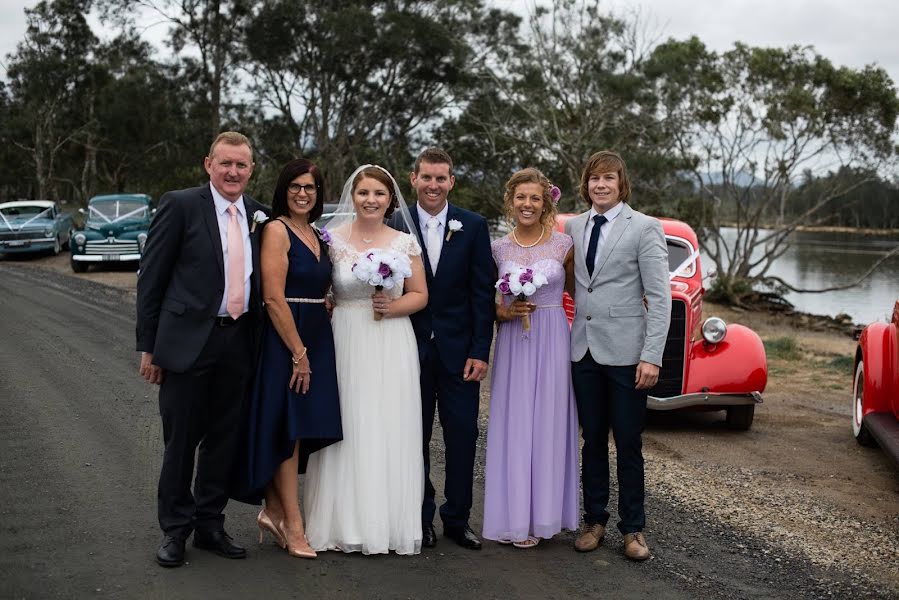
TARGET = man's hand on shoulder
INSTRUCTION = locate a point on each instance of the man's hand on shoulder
(475, 370)
(148, 370)
(647, 375)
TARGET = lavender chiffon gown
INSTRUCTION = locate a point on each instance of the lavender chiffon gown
(532, 444)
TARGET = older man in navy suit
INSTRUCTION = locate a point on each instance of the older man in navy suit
(454, 334)
(198, 312)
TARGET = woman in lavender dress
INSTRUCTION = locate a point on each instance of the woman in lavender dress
(532, 477)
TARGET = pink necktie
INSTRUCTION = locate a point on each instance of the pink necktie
(235, 266)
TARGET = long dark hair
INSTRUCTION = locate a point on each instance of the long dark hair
(292, 170)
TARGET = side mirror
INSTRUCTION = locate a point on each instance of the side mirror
(82, 211)
(153, 211)
(711, 273)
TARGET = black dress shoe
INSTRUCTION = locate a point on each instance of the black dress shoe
(170, 552)
(428, 535)
(218, 542)
(463, 536)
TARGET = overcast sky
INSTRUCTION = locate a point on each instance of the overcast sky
(853, 33)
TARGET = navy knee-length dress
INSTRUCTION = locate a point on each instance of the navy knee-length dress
(278, 416)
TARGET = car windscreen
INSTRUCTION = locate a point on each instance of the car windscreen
(678, 252)
(23, 211)
(111, 211)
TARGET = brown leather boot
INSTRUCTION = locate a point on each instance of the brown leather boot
(590, 538)
(635, 547)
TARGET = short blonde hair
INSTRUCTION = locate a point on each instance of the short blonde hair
(232, 138)
(530, 175)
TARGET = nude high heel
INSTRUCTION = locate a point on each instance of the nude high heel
(293, 550)
(266, 524)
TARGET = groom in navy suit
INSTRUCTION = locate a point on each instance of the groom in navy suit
(454, 333)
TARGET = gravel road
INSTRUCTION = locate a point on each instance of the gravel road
(81, 444)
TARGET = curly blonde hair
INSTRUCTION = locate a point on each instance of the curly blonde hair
(530, 175)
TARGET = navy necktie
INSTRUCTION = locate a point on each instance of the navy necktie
(598, 221)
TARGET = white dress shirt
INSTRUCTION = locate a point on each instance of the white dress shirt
(604, 230)
(221, 213)
(423, 218)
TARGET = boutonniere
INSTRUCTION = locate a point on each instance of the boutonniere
(258, 217)
(452, 227)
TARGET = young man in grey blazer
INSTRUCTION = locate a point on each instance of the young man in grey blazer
(623, 300)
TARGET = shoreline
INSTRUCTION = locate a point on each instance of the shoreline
(862, 231)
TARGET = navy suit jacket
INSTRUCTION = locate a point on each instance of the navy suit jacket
(182, 278)
(461, 309)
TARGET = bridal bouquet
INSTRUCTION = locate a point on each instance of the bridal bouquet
(383, 269)
(522, 283)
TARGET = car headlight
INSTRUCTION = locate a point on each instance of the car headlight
(714, 329)
(141, 240)
(48, 233)
(80, 238)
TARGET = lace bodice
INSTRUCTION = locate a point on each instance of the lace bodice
(547, 258)
(348, 289)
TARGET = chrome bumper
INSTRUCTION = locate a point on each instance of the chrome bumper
(103, 257)
(703, 399)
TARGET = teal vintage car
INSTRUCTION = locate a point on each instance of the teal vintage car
(115, 230)
(33, 226)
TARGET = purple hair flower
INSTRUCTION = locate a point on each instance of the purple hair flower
(555, 193)
(326, 236)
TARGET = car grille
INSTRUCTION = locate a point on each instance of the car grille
(30, 234)
(671, 375)
(113, 247)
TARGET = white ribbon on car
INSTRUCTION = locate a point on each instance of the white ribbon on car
(683, 266)
(37, 216)
(119, 218)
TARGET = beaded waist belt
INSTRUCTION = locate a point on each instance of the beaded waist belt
(306, 300)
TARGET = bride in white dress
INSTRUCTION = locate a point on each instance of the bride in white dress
(364, 494)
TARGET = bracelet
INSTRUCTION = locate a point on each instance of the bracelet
(296, 359)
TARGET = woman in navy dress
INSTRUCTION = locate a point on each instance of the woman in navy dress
(294, 408)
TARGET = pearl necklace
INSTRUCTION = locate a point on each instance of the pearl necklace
(537, 241)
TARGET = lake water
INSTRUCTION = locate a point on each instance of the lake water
(817, 260)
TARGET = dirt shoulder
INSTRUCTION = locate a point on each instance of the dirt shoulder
(797, 479)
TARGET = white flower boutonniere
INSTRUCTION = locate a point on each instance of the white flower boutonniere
(258, 217)
(453, 227)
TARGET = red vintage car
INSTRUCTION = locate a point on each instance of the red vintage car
(707, 364)
(875, 387)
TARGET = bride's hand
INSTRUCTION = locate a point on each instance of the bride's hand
(302, 373)
(381, 302)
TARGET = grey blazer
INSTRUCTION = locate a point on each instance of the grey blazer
(610, 319)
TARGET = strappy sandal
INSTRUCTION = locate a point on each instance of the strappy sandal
(531, 542)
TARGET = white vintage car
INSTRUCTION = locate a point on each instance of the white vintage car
(33, 226)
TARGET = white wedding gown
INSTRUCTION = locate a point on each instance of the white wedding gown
(364, 494)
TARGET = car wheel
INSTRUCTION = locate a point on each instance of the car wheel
(740, 417)
(57, 245)
(862, 436)
(78, 267)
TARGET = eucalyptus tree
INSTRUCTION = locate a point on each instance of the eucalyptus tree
(570, 84)
(47, 75)
(751, 123)
(354, 82)
(204, 34)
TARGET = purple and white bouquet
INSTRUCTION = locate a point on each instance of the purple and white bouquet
(522, 283)
(382, 269)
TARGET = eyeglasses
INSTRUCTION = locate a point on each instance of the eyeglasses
(296, 188)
